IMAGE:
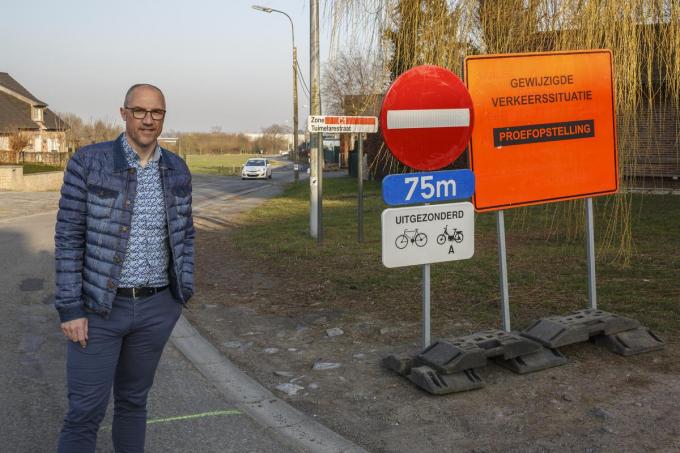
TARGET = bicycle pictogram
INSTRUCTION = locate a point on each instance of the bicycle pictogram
(412, 236)
(455, 236)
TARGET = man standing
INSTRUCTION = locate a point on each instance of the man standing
(124, 249)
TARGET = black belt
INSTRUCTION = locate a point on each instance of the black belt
(137, 293)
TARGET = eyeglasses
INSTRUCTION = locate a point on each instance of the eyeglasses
(140, 114)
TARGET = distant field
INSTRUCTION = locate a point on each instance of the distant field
(220, 164)
(39, 168)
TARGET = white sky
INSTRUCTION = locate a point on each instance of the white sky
(219, 62)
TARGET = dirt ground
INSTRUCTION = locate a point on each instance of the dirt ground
(275, 328)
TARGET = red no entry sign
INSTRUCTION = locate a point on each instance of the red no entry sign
(426, 117)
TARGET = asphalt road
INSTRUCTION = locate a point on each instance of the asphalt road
(186, 413)
(207, 189)
(212, 195)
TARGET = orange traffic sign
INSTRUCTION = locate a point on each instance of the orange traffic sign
(545, 128)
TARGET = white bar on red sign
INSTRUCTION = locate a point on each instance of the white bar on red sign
(427, 118)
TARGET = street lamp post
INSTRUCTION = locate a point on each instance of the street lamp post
(295, 93)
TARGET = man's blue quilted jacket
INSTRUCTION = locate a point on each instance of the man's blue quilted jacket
(93, 227)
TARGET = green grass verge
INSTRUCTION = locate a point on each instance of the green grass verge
(547, 275)
(39, 168)
(220, 164)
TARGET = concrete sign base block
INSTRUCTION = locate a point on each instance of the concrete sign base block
(399, 363)
(441, 384)
(536, 361)
(631, 342)
(449, 366)
(430, 380)
(452, 357)
(472, 351)
(576, 327)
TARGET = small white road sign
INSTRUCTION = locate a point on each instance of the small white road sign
(342, 124)
(428, 234)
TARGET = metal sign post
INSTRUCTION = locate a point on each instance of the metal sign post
(503, 271)
(427, 325)
(313, 190)
(590, 247)
(426, 305)
(426, 234)
(319, 189)
(360, 191)
(317, 125)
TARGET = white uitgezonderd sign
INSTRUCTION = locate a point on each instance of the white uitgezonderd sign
(428, 234)
(342, 124)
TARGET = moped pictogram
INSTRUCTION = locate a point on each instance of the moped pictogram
(455, 236)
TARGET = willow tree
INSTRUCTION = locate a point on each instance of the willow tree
(644, 36)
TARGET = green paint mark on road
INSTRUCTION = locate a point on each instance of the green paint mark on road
(187, 417)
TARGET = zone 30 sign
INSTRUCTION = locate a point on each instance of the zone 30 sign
(342, 124)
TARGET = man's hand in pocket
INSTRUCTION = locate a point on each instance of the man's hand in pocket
(76, 330)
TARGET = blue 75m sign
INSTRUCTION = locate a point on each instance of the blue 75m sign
(429, 187)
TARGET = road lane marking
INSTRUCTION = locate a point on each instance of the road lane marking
(187, 417)
(192, 416)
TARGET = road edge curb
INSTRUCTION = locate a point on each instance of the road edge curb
(253, 398)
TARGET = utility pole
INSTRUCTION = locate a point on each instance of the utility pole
(316, 154)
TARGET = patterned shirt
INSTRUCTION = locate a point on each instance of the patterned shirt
(147, 256)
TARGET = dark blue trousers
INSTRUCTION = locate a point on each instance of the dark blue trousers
(122, 352)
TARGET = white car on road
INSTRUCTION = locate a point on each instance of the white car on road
(257, 168)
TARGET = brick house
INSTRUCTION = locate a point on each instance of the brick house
(23, 113)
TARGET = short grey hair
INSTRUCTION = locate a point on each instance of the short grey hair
(131, 90)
